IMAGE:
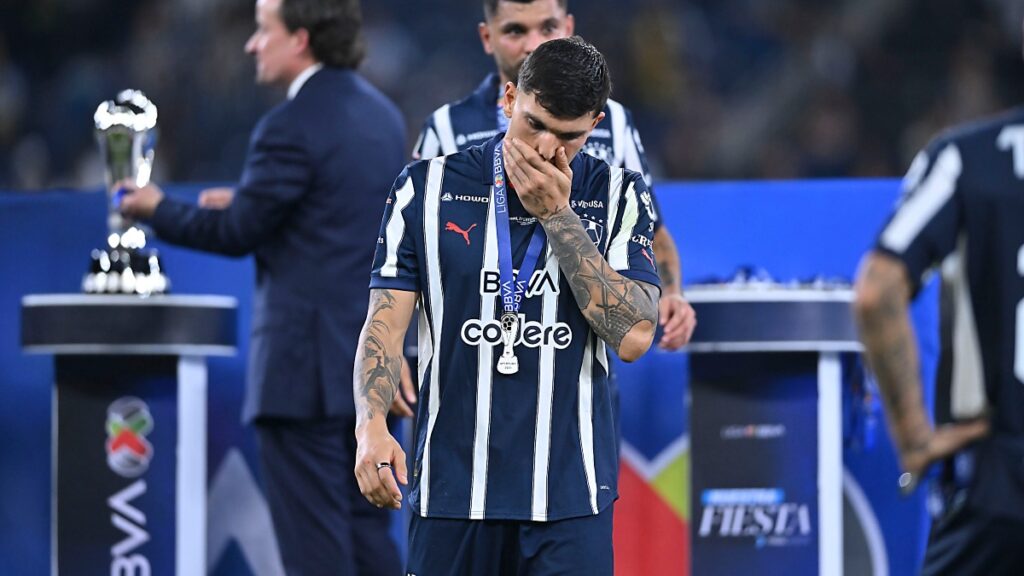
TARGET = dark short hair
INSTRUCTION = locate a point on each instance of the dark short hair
(334, 29)
(491, 6)
(568, 77)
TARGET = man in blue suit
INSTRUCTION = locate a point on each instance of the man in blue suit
(316, 164)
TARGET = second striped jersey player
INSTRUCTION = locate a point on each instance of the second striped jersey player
(511, 30)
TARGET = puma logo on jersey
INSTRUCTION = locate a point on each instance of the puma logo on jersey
(648, 256)
(453, 227)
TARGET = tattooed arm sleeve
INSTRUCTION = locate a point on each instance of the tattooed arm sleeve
(623, 312)
(379, 353)
(883, 293)
(669, 267)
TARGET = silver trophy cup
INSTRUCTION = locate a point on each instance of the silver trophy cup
(126, 133)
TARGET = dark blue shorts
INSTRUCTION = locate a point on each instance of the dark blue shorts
(447, 547)
(969, 542)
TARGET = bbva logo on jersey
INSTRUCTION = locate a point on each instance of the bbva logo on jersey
(540, 281)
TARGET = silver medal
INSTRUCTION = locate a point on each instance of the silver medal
(508, 363)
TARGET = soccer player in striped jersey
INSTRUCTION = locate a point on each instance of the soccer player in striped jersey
(962, 211)
(510, 31)
(531, 264)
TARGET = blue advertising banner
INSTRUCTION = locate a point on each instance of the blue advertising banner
(792, 229)
(754, 441)
(116, 442)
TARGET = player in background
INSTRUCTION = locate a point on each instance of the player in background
(511, 30)
(962, 211)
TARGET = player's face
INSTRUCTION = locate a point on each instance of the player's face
(273, 46)
(516, 29)
(533, 124)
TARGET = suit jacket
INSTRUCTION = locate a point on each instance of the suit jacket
(316, 179)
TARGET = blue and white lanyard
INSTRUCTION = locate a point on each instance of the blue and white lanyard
(512, 290)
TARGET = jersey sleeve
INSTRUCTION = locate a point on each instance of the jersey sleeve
(923, 229)
(636, 160)
(631, 251)
(428, 145)
(396, 260)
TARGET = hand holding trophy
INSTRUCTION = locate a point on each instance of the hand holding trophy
(126, 133)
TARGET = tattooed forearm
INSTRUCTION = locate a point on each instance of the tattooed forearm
(669, 268)
(668, 279)
(378, 360)
(612, 304)
(888, 338)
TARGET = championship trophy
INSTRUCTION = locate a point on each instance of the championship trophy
(126, 133)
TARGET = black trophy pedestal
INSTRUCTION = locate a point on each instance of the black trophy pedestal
(129, 428)
(766, 429)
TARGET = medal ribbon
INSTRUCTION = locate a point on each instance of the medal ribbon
(511, 289)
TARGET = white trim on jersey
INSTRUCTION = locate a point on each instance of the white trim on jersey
(426, 345)
(443, 126)
(632, 161)
(618, 122)
(918, 168)
(586, 419)
(626, 141)
(967, 384)
(484, 381)
(615, 175)
(431, 233)
(618, 252)
(395, 229)
(428, 146)
(545, 397)
(602, 355)
(921, 206)
(1018, 355)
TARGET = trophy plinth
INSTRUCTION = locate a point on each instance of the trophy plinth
(126, 134)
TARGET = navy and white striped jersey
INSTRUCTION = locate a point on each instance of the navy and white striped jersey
(475, 119)
(963, 212)
(539, 444)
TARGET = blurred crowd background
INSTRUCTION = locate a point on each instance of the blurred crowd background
(719, 88)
